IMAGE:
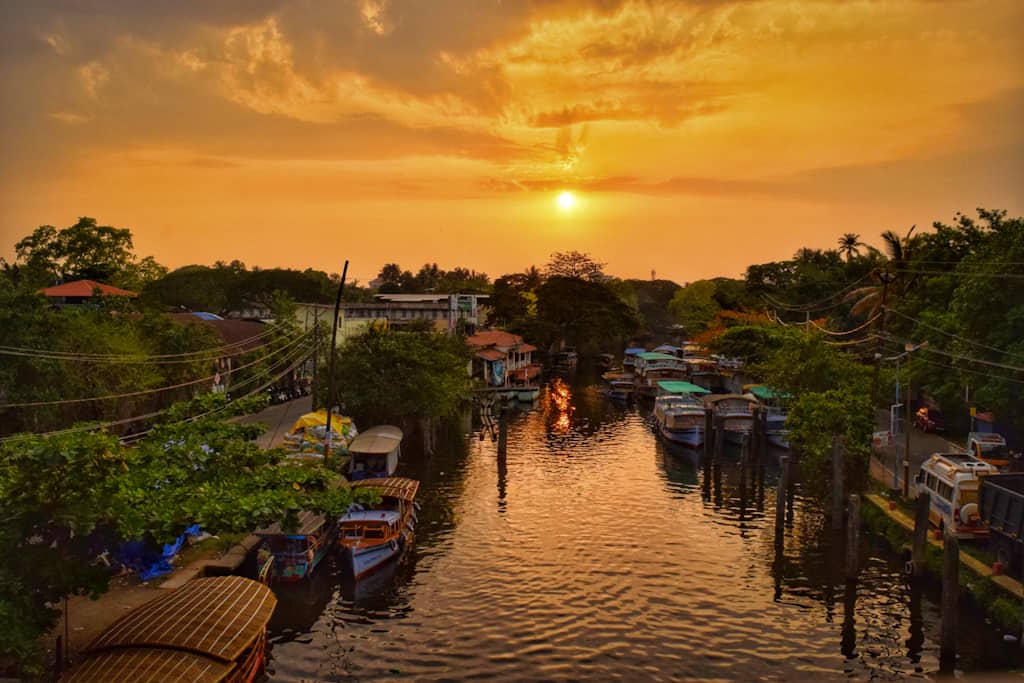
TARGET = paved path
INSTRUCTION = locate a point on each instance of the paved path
(279, 419)
(922, 445)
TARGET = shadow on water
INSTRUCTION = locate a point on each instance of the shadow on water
(591, 550)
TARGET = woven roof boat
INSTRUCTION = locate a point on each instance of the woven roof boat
(211, 630)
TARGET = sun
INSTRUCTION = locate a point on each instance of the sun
(566, 200)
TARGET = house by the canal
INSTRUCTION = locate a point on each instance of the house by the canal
(503, 359)
(82, 292)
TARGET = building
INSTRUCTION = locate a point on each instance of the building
(444, 312)
(502, 359)
(81, 292)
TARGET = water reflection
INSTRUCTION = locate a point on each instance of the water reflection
(591, 550)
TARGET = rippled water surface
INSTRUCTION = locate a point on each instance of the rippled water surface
(594, 551)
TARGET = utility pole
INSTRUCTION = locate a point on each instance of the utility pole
(886, 277)
(316, 356)
(330, 365)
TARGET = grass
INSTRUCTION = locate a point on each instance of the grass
(1004, 611)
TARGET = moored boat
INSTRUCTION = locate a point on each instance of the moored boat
(629, 357)
(372, 537)
(735, 413)
(211, 630)
(775, 414)
(527, 394)
(295, 553)
(375, 453)
(679, 413)
(653, 367)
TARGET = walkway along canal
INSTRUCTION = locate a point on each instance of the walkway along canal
(594, 551)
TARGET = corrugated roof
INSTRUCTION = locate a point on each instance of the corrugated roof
(85, 288)
(218, 617)
(376, 441)
(148, 665)
(494, 338)
(393, 487)
(308, 522)
(677, 387)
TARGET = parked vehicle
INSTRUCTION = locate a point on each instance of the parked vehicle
(1001, 502)
(952, 480)
(989, 447)
(929, 420)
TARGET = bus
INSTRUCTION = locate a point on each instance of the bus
(952, 480)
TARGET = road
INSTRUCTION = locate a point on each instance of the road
(279, 419)
(922, 445)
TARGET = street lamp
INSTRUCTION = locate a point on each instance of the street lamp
(909, 348)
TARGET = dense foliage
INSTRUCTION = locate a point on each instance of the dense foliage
(387, 376)
(65, 499)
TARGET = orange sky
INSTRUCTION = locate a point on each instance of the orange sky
(698, 136)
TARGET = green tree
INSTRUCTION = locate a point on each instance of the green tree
(582, 313)
(573, 264)
(64, 499)
(849, 245)
(694, 306)
(391, 376)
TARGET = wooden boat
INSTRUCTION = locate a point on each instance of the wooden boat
(370, 538)
(294, 555)
(653, 367)
(566, 361)
(629, 357)
(210, 630)
(375, 453)
(527, 394)
(775, 413)
(604, 361)
(735, 413)
(620, 389)
(679, 413)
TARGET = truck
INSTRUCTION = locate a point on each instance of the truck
(1001, 504)
(988, 447)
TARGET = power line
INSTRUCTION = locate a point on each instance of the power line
(860, 327)
(957, 356)
(147, 416)
(803, 308)
(961, 273)
(36, 404)
(939, 329)
(234, 348)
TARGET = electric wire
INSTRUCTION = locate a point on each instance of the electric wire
(860, 327)
(818, 304)
(957, 356)
(143, 392)
(298, 353)
(939, 329)
(235, 348)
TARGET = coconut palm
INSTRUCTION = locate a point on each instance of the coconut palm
(849, 245)
(868, 300)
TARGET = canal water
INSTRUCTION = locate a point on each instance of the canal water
(593, 551)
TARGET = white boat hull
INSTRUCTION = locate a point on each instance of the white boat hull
(691, 436)
(364, 561)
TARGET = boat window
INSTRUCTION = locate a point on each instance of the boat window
(374, 533)
(352, 531)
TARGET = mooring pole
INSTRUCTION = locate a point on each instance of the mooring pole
(330, 370)
(950, 597)
(852, 537)
(503, 433)
(719, 436)
(708, 427)
(924, 501)
(837, 483)
(780, 499)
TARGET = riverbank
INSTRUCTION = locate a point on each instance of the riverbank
(998, 595)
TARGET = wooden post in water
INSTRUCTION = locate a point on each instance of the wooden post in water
(719, 436)
(852, 537)
(780, 499)
(503, 433)
(744, 467)
(708, 427)
(837, 482)
(924, 501)
(950, 596)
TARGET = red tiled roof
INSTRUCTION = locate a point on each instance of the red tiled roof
(84, 288)
(490, 354)
(494, 338)
(526, 348)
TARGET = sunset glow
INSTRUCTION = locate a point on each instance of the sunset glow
(255, 130)
(566, 200)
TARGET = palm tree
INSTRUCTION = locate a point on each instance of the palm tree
(869, 299)
(849, 245)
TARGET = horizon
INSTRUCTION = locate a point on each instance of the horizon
(293, 136)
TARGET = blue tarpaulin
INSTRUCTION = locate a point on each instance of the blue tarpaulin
(149, 562)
